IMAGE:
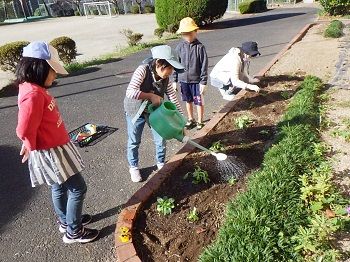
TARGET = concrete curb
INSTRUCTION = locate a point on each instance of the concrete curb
(126, 252)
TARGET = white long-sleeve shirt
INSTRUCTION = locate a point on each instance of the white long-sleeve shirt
(231, 70)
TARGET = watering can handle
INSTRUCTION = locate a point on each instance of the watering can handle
(151, 108)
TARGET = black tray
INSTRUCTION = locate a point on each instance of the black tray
(101, 133)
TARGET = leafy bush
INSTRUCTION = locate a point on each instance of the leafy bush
(132, 38)
(261, 222)
(135, 9)
(40, 11)
(66, 48)
(172, 28)
(158, 32)
(254, 6)
(202, 11)
(334, 29)
(148, 9)
(336, 7)
(10, 54)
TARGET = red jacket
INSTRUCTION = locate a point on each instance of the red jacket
(40, 125)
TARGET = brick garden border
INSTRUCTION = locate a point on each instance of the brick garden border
(126, 252)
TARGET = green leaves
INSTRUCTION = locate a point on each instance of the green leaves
(193, 215)
(165, 205)
(198, 176)
(243, 122)
(217, 147)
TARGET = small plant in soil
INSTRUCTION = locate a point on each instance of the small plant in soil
(264, 132)
(243, 122)
(193, 215)
(217, 147)
(232, 181)
(198, 176)
(285, 95)
(341, 133)
(165, 205)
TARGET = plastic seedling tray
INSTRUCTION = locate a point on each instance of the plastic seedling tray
(101, 131)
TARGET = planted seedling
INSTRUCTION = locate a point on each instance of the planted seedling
(243, 122)
(165, 205)
(264, 132)
(199, 175)
(217, 147)
(232, 181)
(285, 95)
(193, 215)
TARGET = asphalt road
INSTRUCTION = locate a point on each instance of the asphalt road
(27, 225)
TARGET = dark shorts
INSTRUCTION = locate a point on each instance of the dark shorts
(191, 93)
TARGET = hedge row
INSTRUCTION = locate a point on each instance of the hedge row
(170, 13)
(336, 7)
(261, 222)
(252, 6)
(11, 53)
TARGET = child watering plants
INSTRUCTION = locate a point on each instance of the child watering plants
(231, 73)
(193, 81)
(52, 158)
(149, 83)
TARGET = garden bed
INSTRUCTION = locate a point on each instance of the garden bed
(173, 237)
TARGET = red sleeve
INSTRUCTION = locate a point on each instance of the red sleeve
(30, 114)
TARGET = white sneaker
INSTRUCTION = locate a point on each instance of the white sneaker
(135, 174)
(160, 166)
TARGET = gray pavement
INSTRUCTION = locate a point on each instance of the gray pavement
(27, 225)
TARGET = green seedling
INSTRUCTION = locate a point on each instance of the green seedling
(232, 181)
(341, 133)
(243, 122)
(264, 132)
(165, 205)
(193, 215)
(199, 175)
(285, 95)
(217, 147)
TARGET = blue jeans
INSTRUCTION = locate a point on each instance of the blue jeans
(134, 141)
(68, 201)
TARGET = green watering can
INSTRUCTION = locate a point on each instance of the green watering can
(167, 121)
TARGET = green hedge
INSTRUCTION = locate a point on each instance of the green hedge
(202, 11)
(10, 54)
(334, 29)
(254, 6)
(336, 7)
(261, 222)
(66, 48)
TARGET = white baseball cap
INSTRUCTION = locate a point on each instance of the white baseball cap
(43, 50)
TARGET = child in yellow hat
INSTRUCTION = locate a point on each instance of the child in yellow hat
(193, 81)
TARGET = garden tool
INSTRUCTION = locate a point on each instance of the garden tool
(169, 123)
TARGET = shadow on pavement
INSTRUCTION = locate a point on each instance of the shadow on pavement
(250, 21)
(15, 187)
(107, 230)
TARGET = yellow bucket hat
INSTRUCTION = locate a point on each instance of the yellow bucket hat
(187, 25)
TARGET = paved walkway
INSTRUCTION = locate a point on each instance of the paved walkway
(27, 227)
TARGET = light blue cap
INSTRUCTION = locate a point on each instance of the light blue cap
(38, 50)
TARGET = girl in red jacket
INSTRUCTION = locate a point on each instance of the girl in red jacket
(52, 158)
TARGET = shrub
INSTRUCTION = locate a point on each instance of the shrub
(172, 28)
(132, 38)
(261, 222)
(10, 54)
(336, 7)
(148, 9)
(253, 6)
(135, 9)
(334, 29)
(158, 32)
(40, 11)
(66, 48)
(202, 11)
(76, 13)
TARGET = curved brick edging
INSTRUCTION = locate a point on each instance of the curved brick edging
(126, 252)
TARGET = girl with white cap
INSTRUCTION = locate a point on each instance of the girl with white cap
(52, 158)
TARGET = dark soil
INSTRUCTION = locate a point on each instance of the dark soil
(173, 238)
